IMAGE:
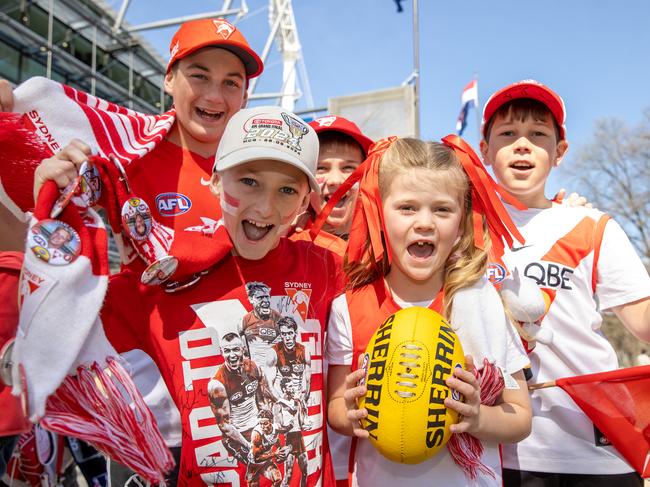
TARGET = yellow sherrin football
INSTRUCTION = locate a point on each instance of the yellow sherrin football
(407, 362)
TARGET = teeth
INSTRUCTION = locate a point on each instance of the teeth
(209, 113)
(259, 225)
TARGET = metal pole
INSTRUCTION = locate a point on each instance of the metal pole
(162, 94)
(120, 15)
(131, 77)
(179, 20)
(50, 27)
(478, 112)
(416, 67)
(93, 77)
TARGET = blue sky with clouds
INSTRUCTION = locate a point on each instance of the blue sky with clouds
(594, 53)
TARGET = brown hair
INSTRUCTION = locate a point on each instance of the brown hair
(521, 109)
(466, 263)
(338, 139)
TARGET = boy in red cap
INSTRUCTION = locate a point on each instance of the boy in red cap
(207, 76)
(587, 265)
(343, 147)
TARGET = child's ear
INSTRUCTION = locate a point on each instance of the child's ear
(169, 82)
(215, 185)
(484, 152)
(560, 151)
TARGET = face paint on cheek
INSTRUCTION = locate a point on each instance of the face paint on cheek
(229, 204)
(321, 180)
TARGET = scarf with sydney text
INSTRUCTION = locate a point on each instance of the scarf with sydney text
(86, 392)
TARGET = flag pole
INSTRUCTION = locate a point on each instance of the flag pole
(478, 111)
(416, 66)
(542, 385)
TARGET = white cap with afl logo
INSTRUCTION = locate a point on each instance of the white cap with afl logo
(269, 132)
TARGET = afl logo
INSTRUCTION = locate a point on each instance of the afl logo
(495, 273)
(173, 204)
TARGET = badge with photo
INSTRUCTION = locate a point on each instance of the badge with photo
(159, 271)
(65, 197)
(136, 218)
(54, 242)
(90, 187)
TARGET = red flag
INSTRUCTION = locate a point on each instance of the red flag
(618, 403)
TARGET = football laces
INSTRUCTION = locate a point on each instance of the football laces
(410, 360)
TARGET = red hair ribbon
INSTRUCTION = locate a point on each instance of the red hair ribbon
(486, 201)
(368, 220)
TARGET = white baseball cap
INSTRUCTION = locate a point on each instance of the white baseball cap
(269, 132)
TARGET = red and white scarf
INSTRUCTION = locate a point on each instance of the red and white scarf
(50, 114)
(68, 373)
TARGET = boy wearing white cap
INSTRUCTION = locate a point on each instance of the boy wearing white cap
(264, 172)
(586, 263)
(207, 76)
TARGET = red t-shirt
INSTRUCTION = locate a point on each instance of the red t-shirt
(184, 333)
(175, 184)
(12, 419)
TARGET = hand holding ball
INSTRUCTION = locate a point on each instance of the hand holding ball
(407, 362)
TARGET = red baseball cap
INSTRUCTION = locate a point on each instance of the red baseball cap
(339, 124)
(527, 89)
(195, 34)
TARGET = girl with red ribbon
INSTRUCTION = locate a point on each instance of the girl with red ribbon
(427, 216)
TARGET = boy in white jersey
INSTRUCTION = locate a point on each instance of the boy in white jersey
(586, 263)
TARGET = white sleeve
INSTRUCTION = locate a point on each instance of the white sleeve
(516, 357)
(622, 277)
(338, 347)
(484, 329)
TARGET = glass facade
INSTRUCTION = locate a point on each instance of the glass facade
(23, 56)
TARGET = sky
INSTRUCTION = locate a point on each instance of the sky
(594, 53)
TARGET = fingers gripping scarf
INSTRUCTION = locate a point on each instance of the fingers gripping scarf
(84, 392)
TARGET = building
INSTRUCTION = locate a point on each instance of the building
(76, 42)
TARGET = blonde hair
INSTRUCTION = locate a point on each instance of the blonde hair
(466, 263)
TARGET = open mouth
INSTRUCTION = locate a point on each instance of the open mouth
(256, 231)
(209, 115)
(421, 250)
(522, 166)
(340, 203)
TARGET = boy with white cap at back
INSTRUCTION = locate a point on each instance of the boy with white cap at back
(264, 171)
(207, 76)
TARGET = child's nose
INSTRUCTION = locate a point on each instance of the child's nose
(424, 221)
(265, 204)
(214, 93)
(522, 144)
(335, 178)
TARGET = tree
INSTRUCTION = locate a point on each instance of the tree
(613, 172)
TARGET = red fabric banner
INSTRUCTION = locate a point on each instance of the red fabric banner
(618, 403)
